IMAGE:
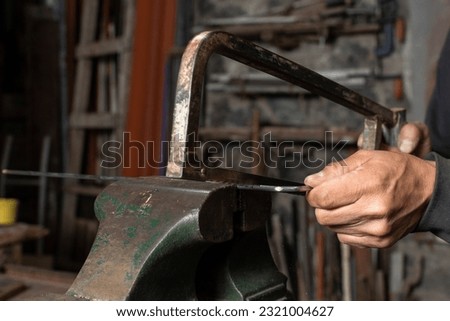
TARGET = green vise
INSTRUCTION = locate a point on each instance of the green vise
(173, 239)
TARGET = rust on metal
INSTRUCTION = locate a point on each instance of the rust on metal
(155, 234)
(190, 86)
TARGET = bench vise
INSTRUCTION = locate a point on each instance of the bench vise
(193, 234)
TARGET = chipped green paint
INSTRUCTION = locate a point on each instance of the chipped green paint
(120, 208)
(71, 293)
(131, 232)
(154, 222)
(142, 250)
(104, 198)
(100, 240)
(128, 276)
(141, 211)
(98, 209)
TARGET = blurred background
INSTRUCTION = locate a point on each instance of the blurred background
(76, 74)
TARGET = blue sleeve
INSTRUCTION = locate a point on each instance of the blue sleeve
(436, 218)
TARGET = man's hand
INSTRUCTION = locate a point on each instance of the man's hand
(372, 198)
(414, 138)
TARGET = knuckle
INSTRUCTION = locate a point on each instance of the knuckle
(363, 153)
(321, 217)
(318, 199)
(342, 238)
(345, 239)
(382, 229)
(382, 207)
(322, 200)
(367, 241)
(311, 198)
(384, 242)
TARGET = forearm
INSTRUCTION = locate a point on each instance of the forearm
(436, 218)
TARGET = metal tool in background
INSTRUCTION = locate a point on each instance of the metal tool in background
(387, 19)
(288, 25)
(194, 234)
(100, 178)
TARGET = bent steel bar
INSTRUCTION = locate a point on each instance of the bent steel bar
(190, 88)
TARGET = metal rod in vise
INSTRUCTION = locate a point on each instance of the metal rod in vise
(192, 75)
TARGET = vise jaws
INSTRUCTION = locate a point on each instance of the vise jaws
(193, 234)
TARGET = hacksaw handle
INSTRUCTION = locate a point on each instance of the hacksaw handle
(391, 134)
(375, 130)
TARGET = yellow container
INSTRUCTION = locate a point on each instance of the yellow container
(8, 210)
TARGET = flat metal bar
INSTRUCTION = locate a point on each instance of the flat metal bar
(294, 188)
(300, 189)
(231, 176)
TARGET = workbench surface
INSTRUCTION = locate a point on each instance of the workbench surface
(26, 283)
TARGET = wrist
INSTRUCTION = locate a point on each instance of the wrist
(436, 217)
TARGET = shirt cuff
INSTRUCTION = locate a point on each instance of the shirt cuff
(436, 218)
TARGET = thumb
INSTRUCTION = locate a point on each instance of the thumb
(409, 138)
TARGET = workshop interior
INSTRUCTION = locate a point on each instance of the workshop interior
(156, 150)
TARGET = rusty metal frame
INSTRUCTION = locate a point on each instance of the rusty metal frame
(190, 90)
